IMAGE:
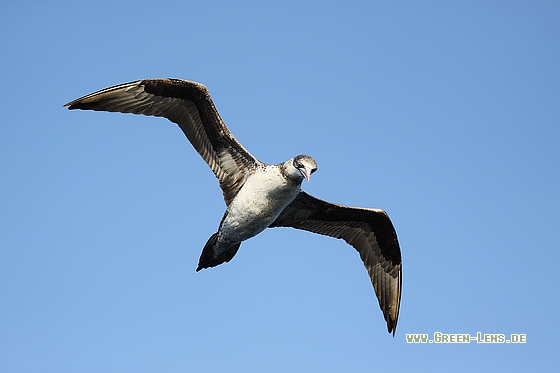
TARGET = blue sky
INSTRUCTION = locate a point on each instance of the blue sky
(445, 114)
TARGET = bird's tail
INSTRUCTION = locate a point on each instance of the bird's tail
(208, 258)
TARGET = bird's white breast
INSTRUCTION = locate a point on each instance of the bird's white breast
(259, 202)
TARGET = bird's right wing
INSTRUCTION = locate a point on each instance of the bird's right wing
(189, 105)
(369, 231)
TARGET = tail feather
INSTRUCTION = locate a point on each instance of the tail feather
(208, 259)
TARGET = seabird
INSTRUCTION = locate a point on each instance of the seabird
(259, 195)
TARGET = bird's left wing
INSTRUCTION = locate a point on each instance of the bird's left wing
(369, 231)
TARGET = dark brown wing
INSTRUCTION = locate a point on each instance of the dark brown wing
(189, 105)
(369, 231)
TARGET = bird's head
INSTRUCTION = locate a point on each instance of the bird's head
(302, 166)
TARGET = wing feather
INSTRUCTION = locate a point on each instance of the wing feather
(369, 231)
(189, 105)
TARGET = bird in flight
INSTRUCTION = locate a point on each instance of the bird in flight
(259, 195)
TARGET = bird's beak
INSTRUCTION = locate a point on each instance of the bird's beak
(306, 173)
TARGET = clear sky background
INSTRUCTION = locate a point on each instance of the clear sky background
(445, 114)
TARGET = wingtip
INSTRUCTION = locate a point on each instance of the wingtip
(392, 327)
(70, 105)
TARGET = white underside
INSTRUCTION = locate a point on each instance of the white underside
(259, 202)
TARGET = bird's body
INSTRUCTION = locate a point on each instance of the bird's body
(265, 194)
(259, 195)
